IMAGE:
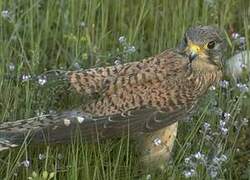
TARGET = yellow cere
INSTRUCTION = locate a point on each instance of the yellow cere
(194, 48)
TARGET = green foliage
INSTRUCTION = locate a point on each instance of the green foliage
(41, 35)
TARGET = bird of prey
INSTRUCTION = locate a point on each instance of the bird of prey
(143, 98)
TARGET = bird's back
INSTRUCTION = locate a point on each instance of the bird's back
(143, 96)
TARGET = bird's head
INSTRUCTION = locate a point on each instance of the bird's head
(203, 44)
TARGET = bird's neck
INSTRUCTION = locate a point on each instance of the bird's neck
(205, 71)
(205, 66)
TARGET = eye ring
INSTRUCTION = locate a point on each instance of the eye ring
(211, 45)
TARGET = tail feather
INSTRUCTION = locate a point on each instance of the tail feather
(61, 127)
(54, 128)
(6, 144)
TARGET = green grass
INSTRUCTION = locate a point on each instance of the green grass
(37, 36)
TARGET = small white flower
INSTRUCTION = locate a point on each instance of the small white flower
(80, 119)
(157, 141)
(11, 66)
(189, 173)
(216, 160)
(226, 116)
(82, 24)
(244, 121)
(242, 40)
(148, 177)
(187, 160)
(130, 49)
(224, 130)
(42, 80)
(60, 156)
(39, 113)
(235, 35)
(224, 84)
(117, 62)
(223, 157)
(26, 163)
(41, 156)
(66, 122)
(199, 156)
(26, 77)
(122, 39)
(5, 14)
(212, 88)
(243, 65)
(206, 126)
(213, 172)
(242, 87)
(222, 123)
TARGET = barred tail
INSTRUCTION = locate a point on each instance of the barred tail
(6, 144)
(53, 128)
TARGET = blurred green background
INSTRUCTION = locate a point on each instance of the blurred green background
(41, 35)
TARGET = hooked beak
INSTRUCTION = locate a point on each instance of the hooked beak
(193, 51)
(192, 56)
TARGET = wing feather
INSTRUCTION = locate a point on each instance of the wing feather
(157, 92)
(100, 80)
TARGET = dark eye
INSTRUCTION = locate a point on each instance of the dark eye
(211, 45)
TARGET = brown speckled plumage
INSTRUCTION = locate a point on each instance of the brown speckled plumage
(163, 83)
(144, 96)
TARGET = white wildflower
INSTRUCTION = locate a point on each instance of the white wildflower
(60, 156)
(187, 160)
(213, 171)
(235, 35)
(5, 14)
(242, 87)
(117, 62)
(66, 122)
(41, 156)
(243, 65)
(224, 130)
(42, 80)
(82, 24)
(25, 163)
(224, 84)
(226, 116)
(223, 158)
(122, 39)
(244, 121)
(189, 173)
(80, 119)
(212, 88)
(206, 126)
(222, 123)
(26, 77)
(242, 40)
(148, 177)
(130, 49)
(157, 141)
(11, 66)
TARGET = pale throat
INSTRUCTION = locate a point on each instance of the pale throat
(207, 71)
(203, 64)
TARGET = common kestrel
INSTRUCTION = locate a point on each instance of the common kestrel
(145, 98)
